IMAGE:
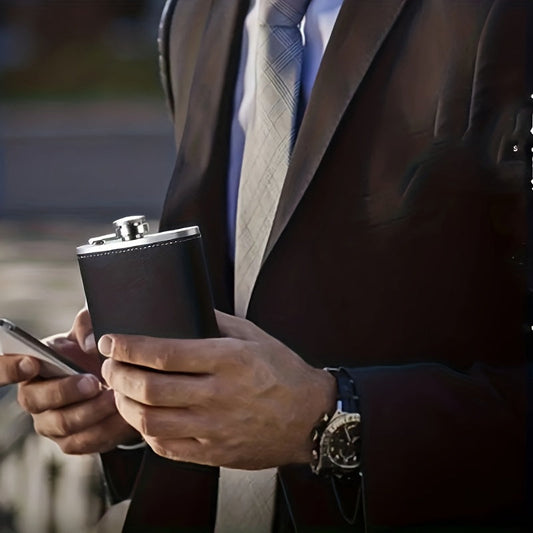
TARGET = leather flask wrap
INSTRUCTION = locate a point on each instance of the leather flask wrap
(159, 289)
(156, 286)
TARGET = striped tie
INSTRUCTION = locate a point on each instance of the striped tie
(270, 137)
(246, 498)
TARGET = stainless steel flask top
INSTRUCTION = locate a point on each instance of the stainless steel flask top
(133, 231)
(130, 228)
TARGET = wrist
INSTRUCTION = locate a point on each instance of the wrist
(336, 438)
(133, 446)
(319, 400)
(327, 401)
(136, 442)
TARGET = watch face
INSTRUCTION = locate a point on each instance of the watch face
(340, 440)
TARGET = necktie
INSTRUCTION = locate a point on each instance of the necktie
(245, 501)
(270, 137)
(246, 498)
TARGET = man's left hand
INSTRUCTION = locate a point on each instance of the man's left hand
(244, 400)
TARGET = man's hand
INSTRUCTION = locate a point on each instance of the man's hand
(76, 411)
(16, 368)
(244, 400)
(78, 345)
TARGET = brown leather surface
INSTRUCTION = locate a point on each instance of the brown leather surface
(160, 290)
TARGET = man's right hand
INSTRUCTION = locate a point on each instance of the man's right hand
(76, 412)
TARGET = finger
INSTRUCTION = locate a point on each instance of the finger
(171, 355)
(69, 349)
(75, 418)
(16, 368)
(162, 422)
(99, 438)
(158, 388)
(39, 396)
(82, 331)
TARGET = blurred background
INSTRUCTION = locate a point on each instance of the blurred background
(85, 138)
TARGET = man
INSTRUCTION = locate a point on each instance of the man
(393, 254)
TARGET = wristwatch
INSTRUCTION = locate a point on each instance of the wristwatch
(336, 439)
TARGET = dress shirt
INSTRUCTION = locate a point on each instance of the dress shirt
(316, 29)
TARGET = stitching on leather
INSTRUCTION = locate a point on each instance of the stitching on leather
(138, 248)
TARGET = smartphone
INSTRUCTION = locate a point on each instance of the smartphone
(14, 340)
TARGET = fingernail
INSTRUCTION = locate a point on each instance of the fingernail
(88, 385)
(27, 368)
(89, 344)
(105, 370)
(105, 345)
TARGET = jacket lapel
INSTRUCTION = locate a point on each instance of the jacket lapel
(197, 192)
(359, 32)
(211, 80)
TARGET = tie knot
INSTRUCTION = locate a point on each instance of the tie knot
(282, 12)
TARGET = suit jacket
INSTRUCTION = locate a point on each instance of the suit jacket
(397, 250)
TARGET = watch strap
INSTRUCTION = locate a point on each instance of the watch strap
(346, 390)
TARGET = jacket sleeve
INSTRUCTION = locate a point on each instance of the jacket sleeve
(447, 444)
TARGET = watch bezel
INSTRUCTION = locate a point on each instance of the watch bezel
(338, 421)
